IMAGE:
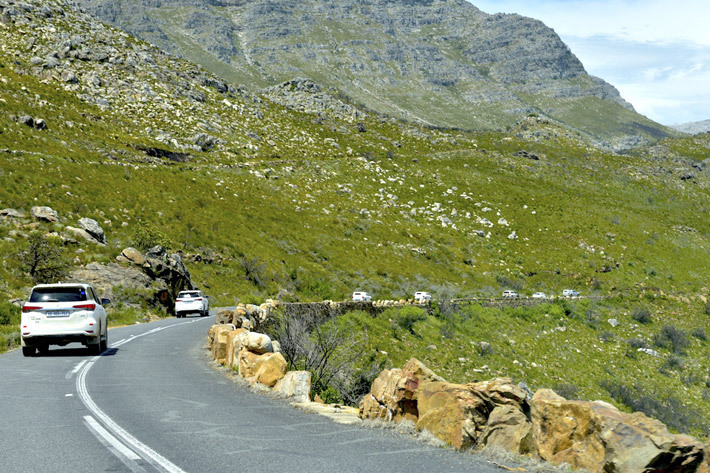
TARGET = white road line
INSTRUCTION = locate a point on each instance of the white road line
(75, 370)
(113, 441)
(137, 447)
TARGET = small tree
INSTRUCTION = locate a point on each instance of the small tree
(44, 259)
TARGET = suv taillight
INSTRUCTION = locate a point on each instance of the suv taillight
(32, 308)
(85, 306)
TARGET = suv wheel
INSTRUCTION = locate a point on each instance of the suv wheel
(103, 344)
(43, 349)
(28, 351)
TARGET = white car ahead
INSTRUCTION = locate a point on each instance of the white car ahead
(360, 296)
(192, 302)
(539, 295)
(510, 294)
(570, 293)
(59, 314)
(422, 296)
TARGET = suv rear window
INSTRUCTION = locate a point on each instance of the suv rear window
(58, 294)
(189, 294)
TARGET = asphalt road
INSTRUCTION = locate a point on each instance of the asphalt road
(152, 402)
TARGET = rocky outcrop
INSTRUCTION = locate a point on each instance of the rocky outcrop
(490, 70)
(598, 437)
(594, 436)
(161, 266)
(92, 227)
(295, 385)
(44, 214)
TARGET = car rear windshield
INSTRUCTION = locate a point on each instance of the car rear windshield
(58, 294)
(189, 294)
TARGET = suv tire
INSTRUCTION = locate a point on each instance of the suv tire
(28, 351)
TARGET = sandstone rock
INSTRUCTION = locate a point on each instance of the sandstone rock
(508, 428)
(44, 214)
(92, 227)
(257, 342)
(11, 213)
(79, 233)
(396, 391)
(599, 438)
(247, 360)
(231, 359)
(295, 385)
(224, 316)
(219, 347)
(501, 391)
(452, 413)
(276, 345)
(133, 256)
(269, 368)
(107, 278)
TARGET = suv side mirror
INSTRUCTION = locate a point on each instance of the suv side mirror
(105, 301)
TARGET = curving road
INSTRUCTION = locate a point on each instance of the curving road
(152, 402)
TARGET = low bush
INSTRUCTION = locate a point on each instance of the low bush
(9, 313)
(642, 315)
(671, 338)
(668, 409)
(407, 316)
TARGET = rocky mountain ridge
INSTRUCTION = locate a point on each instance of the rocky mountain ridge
(437, 62)
(693, 128)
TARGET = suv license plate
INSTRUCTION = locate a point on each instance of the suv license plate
(57, 313)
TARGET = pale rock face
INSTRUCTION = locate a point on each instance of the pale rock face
(295, 385)
(92, 227)
(44, 214)
(269, 368)
(599, 438)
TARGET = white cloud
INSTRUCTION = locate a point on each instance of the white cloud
(657, 52)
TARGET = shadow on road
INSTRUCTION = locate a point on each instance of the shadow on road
(62, 352)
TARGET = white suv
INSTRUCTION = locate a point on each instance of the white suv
(570, 293)
(361, 296)
(192, 302)
(422, 296)
(58, 314)
(510, 294)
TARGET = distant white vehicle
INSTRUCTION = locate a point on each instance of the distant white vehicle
(539, 295)
(570, 293)
(361, 296)
(58, 314)
(192, 302)
(422, 296)
(510, 294)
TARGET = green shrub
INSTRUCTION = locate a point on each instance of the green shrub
(700, 334)
(671, 338)
(567, 390)
(146, 237)
(44, 259)
(407, 316)
(668, 409)
(9, 313)
(642, 315)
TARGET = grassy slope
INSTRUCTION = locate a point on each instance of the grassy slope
(325, 220)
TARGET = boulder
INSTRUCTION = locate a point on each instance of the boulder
(44, 214)
(79, 233)
(269, 368)
(257, 342)
(11, 213)
(395, 391)
(295, 385)
(247, 360)
(225, 316)
(133, 256)
(601, 439)
(452, 413)
(508, 428)
(231, 360)
(219, 347)
(92, 228)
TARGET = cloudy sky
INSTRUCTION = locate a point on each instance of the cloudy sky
(656, 52)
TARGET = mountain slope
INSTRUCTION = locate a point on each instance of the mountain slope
(299, 194)
(439, 62)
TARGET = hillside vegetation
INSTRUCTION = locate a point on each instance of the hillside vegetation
(314, 199)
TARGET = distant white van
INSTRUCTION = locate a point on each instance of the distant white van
(570, 293)
(422, 296)
(361, 296)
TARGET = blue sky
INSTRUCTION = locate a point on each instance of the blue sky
(656, 52)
